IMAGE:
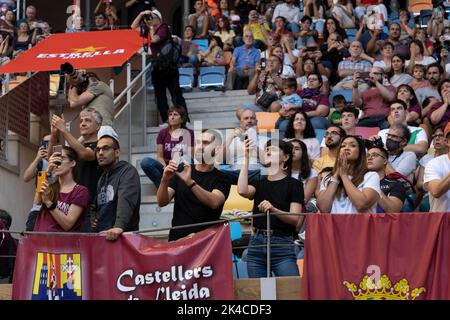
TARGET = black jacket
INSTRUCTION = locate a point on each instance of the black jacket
(118, 198)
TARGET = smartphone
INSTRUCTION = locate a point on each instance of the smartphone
(58, 150)
(178, 158)
(365, 75)
(263, 63)
(41, 176)
(59, 110)
(252, 135)
(44, 144)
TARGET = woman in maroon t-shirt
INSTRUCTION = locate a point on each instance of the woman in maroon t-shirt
(174, 141)
(64, 202)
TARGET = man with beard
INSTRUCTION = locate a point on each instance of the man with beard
(401, 161)
(349, 120)
(333, 138)
(434, 75)
(200, 190)
(375, 101)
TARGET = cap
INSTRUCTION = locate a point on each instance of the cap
(108, 131)
(447, 129)
(157, 13)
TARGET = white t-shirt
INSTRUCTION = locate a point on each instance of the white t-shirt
(344, 205)
(420, 136)
(312, 175)
(313, 147)
(405, 164)
(425, 61)
(437, 169)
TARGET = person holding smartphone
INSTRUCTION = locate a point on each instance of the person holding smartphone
(64, 202)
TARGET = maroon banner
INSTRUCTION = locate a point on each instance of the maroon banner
(84, 267)
(402, 256)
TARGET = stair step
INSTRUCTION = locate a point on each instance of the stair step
(214, 94)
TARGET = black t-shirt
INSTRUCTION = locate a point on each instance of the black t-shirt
(280, 194)
(89, 172)
(188, 209)
(392, 188)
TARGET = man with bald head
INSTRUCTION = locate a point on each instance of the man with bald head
(375, 101)
(233, 147)
(348, 67)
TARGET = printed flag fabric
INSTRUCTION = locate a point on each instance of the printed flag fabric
(84, 50)
(88, 267)
(401, 256)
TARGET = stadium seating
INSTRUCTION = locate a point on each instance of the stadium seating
(415, 6)
(425, 16)
(237, 202)
(346, 93)
(213, 76)
(267, 120)
(351, 33)
(186, 78)
(366, 132)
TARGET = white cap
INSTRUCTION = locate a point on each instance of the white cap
(107, 131)
(157, 13)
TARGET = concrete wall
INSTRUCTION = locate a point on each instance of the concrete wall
(16, 196)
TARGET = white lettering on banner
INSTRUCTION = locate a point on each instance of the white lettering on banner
(79, 55)
(128, 281)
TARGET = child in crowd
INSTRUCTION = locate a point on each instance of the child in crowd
(290, 101)
(339, 104)
(419, 77)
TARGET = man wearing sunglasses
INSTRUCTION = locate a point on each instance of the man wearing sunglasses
(394, 194)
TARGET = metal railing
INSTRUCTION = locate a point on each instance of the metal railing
(128, 105)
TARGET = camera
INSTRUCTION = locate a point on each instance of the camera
(376, 143)
(81, 78)
(263, 63)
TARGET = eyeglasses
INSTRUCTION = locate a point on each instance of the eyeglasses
(374, 155)
(390, 136)
(332, 133)
(438, 135)
(104, 149)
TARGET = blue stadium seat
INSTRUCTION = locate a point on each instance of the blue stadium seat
(424, 17)
(320, 133)
(346, 93)
(213, 76)
(351, 33)
(202, 44)
(186, 78)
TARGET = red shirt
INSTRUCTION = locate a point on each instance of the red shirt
(445, 118)
(374, 105)
(78, 196)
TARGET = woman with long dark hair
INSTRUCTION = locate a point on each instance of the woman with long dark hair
(301, 168)
(276, 193)
(332, 25)
(225, 33)
(407, 94)
(305, 67)
(299, 127)
(350, 187)
(64, 202)
(397, 74)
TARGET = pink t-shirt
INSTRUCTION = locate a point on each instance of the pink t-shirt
(373, 103)
(78, 196)
(168, 142)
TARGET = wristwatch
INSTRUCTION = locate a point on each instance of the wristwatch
(50, 206)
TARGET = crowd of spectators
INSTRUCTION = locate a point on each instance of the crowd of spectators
(382, 70)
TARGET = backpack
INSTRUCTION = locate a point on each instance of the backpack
(169, 55)
(410, 190)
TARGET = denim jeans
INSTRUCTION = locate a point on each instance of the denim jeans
(153, 169)
(319, 122)
(379, 121)
(283, 258)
